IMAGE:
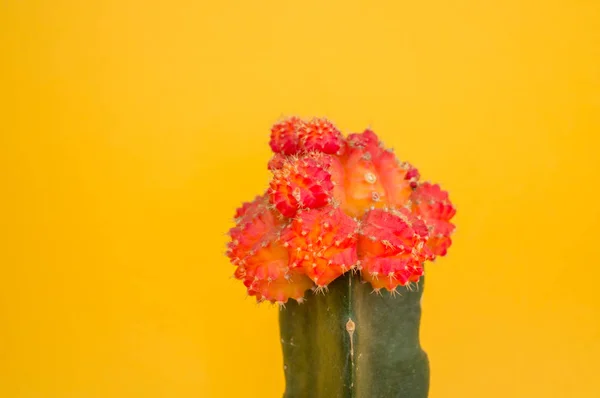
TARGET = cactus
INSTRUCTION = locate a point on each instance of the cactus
(345, 219)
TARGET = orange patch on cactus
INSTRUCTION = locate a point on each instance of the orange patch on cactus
(301, 182)
(255, 225)
(432, 203)
(322, 242)
(337, 178)
(262, 262)
(374, 177)
(320, 135)
(391, 248)
(268, 276)
(363, 186)
(397, 179)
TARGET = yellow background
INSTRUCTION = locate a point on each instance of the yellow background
(131, 130)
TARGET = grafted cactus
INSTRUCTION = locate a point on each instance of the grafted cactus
(344, 218)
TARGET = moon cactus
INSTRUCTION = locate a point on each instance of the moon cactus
(345, 219)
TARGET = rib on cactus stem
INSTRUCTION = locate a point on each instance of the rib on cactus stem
(345, 219)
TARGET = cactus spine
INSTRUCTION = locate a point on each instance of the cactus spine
(345, 218)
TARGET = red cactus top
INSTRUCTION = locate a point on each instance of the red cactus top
(334, 205)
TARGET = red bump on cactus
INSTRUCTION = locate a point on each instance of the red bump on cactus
(322, 242)
(276, 162)
(320, 135)
(392, 248)
(412, 175)
(433, 205)
(262, 262)
(367, 140)
(302, 182)
(285, 136)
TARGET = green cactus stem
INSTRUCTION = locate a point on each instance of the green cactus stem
(354, 343)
